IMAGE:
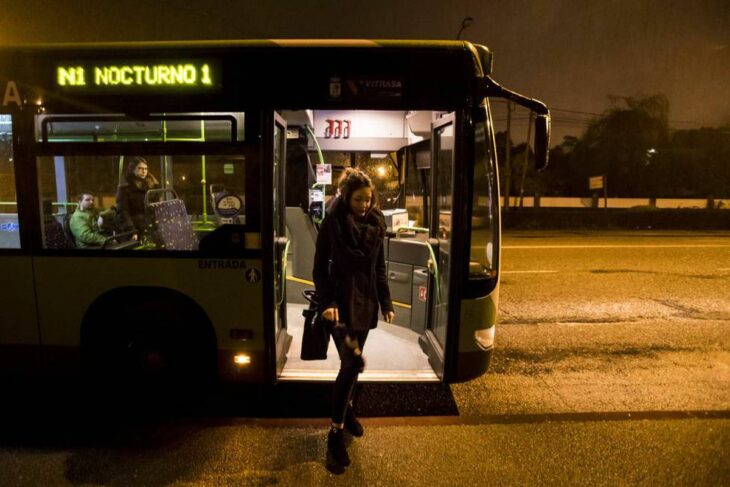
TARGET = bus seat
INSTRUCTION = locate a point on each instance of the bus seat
(303, 240)
(171, 228)
(57, 235)
(67, 228)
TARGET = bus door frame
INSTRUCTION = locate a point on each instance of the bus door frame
(273, 178)
(443, 356)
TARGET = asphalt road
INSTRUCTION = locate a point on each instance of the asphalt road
(615, 321)
(612, 367)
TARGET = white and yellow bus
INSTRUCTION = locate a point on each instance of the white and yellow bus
(246, 140)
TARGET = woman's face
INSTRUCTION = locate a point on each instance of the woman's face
(140, 170)
(360, 201)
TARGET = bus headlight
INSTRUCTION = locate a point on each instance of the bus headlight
(485, 338)
(241, 359)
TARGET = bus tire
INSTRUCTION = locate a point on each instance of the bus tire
(160, 342)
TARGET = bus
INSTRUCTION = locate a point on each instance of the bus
(246, 141)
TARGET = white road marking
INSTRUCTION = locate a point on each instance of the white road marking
(669, 246)
(529, 272)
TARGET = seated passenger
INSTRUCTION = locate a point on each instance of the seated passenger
(111, 222)
(84, 223)
(131, 193)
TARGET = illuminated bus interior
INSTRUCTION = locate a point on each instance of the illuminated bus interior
(393, 148)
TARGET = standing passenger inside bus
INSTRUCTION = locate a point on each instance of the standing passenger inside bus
(350, 278)
(84, 224)
(131, 193)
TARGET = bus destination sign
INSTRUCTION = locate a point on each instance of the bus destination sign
(129, 76)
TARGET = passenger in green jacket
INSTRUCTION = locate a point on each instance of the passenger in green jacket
(84, 223)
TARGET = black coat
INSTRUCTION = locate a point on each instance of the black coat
(349, 266)
(130, 201)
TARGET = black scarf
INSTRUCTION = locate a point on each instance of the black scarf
(358, 237)
(149, 182)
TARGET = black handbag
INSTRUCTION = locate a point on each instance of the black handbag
(317, 330)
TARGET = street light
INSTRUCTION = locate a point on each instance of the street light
(464, 25)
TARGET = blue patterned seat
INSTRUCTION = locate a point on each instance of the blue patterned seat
(55, 236)
(171, 225)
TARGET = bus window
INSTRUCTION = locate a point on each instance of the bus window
(9, 236)
(383, 170)
(201, 192)
(418, 182)
(213, 127)
(339, 162)
(380, 166)
(484, 207)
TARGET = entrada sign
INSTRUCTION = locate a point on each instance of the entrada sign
(130, 75)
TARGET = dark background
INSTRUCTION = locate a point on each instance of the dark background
(571, 54)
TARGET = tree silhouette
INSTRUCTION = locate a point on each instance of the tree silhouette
(632, 144)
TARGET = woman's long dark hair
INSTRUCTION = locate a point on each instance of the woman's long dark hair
(353, 180)
(131, 178)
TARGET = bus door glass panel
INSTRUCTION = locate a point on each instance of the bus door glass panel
(443, 140)
(280, 239)
(172, 214)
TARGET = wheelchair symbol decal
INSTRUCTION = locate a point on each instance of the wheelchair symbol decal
(9, 227)
(253, 275)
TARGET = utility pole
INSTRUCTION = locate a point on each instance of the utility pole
(507, 163)
(527, 156)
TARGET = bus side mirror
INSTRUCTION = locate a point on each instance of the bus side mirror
(542, 141)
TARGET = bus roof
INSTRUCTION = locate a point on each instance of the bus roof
(249, 43)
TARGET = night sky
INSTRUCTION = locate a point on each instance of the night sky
(571, 54)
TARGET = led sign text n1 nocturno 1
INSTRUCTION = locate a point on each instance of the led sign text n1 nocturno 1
(125, 76)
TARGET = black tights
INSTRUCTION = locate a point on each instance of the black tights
(350, 368)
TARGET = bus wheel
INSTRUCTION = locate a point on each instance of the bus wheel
(145, 357)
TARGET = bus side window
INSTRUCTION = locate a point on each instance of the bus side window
(61, 181)
(9, 226)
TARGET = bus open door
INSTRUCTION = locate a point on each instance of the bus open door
(273, 179)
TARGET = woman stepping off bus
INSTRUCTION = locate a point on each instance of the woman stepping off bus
(351, 281)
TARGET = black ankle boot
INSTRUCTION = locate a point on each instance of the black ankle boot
(352, 424)
(336, 446)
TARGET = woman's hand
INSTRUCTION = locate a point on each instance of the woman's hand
(389, 316)
(331, 314)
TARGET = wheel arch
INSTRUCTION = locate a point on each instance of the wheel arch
(147, 304)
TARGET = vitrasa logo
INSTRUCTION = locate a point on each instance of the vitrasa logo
(11, 94)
